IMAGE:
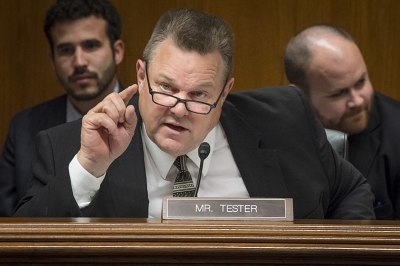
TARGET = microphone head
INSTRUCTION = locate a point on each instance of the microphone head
(204, 150)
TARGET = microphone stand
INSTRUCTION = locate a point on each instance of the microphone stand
(204, 151)
(199, 177)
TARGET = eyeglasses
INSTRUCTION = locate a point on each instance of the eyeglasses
(168, 100)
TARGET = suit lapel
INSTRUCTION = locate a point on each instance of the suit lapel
(258, 165)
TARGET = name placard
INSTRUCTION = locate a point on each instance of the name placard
(187, 208)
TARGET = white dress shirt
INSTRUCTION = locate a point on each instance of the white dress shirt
(220, 178)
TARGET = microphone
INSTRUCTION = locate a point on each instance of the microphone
(204, 151)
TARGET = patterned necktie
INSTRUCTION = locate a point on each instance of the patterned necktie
(183, 186)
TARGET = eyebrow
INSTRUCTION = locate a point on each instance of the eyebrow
(81, 42)
(361, 77)
(63, 44)
(206, 84)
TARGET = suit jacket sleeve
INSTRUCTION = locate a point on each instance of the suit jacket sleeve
(16, 160)
(120, 194)
(51, 192)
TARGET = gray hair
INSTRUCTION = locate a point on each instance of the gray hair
(298, 53)
(193, 30)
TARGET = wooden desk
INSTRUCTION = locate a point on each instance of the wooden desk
(133, 241)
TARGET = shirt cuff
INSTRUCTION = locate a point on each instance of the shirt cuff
(84, 184)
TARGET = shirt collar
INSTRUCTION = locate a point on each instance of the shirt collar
(72, 113)
(163, 161)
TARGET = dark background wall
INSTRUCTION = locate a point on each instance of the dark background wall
(262, 29)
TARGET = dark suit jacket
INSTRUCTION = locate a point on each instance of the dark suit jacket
(16, 159)
(376, 153)
(278, 145)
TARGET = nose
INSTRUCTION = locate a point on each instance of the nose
(356, 99)
(179, 110)
(79, 58)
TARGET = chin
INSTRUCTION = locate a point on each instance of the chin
(356, 125)
(172, 147)
(86, 96)
(354, 128)
(353, 131)
(84, 93)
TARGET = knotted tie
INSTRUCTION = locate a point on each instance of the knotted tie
(183, 186)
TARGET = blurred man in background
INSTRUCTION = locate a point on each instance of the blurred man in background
(85, 50)
(327, 64)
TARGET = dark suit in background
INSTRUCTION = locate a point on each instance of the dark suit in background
(278, 145)
(16, 159)
(376, 153)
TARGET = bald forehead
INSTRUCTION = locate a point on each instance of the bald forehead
(336, 63)
(325, 44)
(333, 49)
(324, 31)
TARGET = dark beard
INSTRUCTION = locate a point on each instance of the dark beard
(102, 87)
(102, 84)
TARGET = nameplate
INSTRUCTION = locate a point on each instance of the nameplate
(186, 208)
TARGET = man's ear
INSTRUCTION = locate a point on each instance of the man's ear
(140, 72)
(227, 89)
(119, 51)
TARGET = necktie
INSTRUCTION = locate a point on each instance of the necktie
(183, 186)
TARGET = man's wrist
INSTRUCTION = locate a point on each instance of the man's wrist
(94, 168)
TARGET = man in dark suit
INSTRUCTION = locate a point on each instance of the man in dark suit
(121, 160)
(85, 48)
(326, 63)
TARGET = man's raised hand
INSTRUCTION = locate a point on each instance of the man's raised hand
(107, 130)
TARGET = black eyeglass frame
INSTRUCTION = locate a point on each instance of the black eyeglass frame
(179, 100)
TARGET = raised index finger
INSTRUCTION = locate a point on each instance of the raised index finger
(128, 93)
